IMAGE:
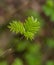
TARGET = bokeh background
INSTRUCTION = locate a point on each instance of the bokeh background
(17, 51)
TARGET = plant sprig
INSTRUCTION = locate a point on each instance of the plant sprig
(28, 29)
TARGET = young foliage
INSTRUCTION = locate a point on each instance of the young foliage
(28, 29)
(48, 9)
(17, 26)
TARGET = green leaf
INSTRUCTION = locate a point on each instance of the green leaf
(32, 26)
(16, 26)
(28, 29)
(29, 35)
